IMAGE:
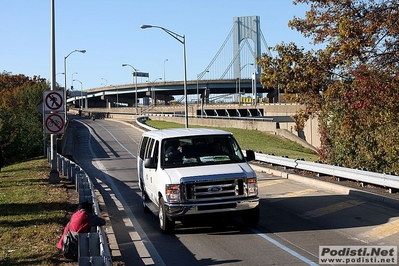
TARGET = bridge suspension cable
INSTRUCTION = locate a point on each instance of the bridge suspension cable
(224, 66)
(265, 44)
(217, 54)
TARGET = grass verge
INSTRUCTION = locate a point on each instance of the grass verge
(255, 140)
(32, 214)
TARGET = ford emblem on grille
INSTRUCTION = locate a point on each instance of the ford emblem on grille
(215, 189)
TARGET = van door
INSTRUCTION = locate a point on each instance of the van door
(140, 161)
(151, 173)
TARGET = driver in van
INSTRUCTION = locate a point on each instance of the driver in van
(174, 151)
(218, 149)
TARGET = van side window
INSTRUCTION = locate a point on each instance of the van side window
(142, 147)
(156, 152)
(148, 149)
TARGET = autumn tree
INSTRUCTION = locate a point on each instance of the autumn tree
(351, 84)
(20, 120)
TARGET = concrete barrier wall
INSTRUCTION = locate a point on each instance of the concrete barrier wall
(269, 127)
(310, 134)
(223, 122)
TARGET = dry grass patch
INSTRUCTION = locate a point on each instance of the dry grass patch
(32, 214)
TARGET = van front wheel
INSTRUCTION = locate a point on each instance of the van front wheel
(167, 226)
(251, 218)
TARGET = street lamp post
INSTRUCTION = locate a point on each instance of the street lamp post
(239, 78)
(134, 73)
(117, 96)
(54, 174)
(65, 75)
(153, 91)
(106, 81)
(72, 80)
(81, 94)
(182, 40)
(200, 75)
(164, 62)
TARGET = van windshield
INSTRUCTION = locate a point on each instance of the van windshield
(197, 150)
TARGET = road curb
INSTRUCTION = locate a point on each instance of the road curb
(112, 242)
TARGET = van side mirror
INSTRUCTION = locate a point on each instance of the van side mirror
(250, 155)
(149, 163)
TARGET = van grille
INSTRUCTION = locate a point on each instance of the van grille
(212, 190)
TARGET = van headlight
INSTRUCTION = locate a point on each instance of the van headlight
(172, 193)
(252, 186)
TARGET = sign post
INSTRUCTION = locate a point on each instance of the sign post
(139, 74)
(54, 174)
(53, 123)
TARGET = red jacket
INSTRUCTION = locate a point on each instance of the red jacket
(80, 222)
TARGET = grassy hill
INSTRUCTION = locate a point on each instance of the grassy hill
(32, 214)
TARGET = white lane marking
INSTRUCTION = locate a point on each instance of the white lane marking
(281, 246)
(134, 156)
(145, 243)
(151, 249)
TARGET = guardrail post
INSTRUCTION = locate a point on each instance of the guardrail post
(64, 168)
(68, 166)
(73, 168)
(48, 154)
(79, 180)
(76, 173)
(59, 163)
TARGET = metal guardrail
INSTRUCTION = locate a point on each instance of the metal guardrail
(385, 180)
(140, 123)
(93, 247)
(379, 179)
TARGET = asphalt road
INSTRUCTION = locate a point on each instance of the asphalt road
(296, 218)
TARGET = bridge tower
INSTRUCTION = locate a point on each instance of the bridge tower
(246, 28)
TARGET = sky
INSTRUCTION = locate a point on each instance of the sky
(109, 31)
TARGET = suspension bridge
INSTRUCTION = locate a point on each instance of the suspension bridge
(237, 57)
(233, 72)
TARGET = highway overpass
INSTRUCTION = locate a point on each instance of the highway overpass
(206, 91)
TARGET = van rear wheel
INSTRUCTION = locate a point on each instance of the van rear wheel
(167, 226)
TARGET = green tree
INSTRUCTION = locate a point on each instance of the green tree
(20, 121)
(351, 84)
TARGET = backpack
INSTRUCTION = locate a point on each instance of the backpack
(70, 244)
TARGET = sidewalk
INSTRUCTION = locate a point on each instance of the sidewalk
(68, 150)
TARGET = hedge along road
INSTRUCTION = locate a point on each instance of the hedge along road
(295, 218)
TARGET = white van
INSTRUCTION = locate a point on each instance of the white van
(186, 173)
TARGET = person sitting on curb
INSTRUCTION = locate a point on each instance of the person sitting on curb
(81, 222)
